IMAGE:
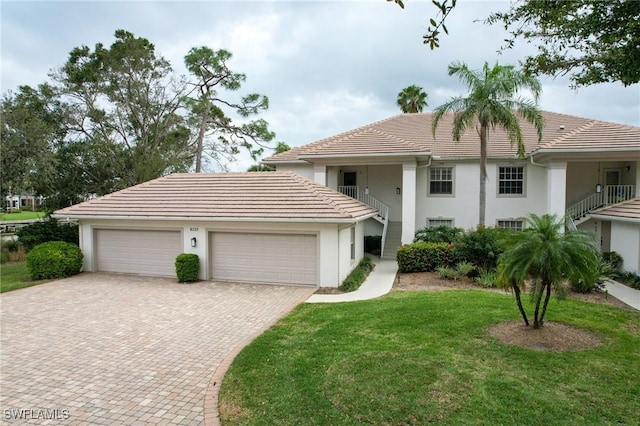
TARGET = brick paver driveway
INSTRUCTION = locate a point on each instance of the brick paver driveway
(116, 349)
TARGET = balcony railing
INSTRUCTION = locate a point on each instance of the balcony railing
(611, 194)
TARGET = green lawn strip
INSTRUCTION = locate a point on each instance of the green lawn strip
(420, 357)
(12, 217)
(14, 276)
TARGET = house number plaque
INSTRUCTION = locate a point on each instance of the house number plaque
(193, 229)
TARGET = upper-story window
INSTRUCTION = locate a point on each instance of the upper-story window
(441, 181)
(513, 225)
(511, 180)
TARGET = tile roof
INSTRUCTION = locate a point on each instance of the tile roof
(410, 133)
(225, 195)
(628, 210)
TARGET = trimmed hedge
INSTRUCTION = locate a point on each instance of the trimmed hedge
(358, 275)
(187, 267)
(373, 244)
(54, 259)
(47, 230)
(439, 234)
(425, 257)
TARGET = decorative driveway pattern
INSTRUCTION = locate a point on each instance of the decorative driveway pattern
(117, 349)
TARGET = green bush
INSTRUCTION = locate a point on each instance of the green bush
(54, 259)
(187, 267)
(487, 279)
(595, 281)
(425, 257)
(439, 234)
(462, 269)
(629, 278)
(614, 259)
(12, 251)
(373, 244)
(482, 246)
(47, 230)
(358, 275)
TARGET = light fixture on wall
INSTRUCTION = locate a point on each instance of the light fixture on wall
(598, 188)
(628, 167)
(398, 191)
(194, 242)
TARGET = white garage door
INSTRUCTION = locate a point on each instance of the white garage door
(270, 258)
(137, 252)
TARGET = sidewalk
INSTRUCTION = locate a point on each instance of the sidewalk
(378, 283)
(623, 293)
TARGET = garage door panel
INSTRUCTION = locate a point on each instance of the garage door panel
(277, 258)
(137, 251)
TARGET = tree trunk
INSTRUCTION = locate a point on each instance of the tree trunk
(484, 136)
(200, 147)
(546, 302)
(516, 290)
(536, 317)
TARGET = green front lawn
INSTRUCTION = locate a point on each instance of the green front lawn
(420, 357)
(12, 217)
(14, 276)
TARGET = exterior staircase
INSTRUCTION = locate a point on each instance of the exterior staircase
(612, 194)
(383, 210)
(393, 240)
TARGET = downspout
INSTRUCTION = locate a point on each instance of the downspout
(534, 163)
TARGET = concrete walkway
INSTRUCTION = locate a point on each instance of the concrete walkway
(623, 293)
(378, 283)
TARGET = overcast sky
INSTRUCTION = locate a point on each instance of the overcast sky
(326, 67)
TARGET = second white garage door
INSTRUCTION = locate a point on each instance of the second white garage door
(270, 258)
(137, 252)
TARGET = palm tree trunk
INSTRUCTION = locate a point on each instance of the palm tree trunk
(546, 302)
(516, 290)
(536, 317)
(484, 136)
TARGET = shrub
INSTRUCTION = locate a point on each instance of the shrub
(614, 259)
(12, 251)
(54, 259)
(187, 267)
(462, 269)
(373, 244)
(482, 246)
(425, 257)
(487, 279)
(358, 275)
(439, 234)
(47, 230)
(629, 278)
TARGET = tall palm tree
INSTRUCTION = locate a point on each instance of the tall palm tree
(412, 99)
(549, 256)
(492, 103)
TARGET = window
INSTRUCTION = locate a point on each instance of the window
(511, 180)
(441, 181)
(434, 223)
(513, 225)
(353, 243)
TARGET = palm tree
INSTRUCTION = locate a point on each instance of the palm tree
(412, 99)
(492, 103)
(549, 256)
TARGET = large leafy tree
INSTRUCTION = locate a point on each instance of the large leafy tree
(593, 41)
(492, 102)
(412, 99)
(548, 256)
(218, 135)
(125, 109)
(33, 123)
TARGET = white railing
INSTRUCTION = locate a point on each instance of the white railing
(364, 197)
(612, 194)
(619, 193)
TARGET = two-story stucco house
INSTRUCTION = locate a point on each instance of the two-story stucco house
(305, 223)
(426, 180)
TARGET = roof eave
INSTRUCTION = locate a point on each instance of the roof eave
(359, 218)
(585, 150)
(615, 218)
(373, 155)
